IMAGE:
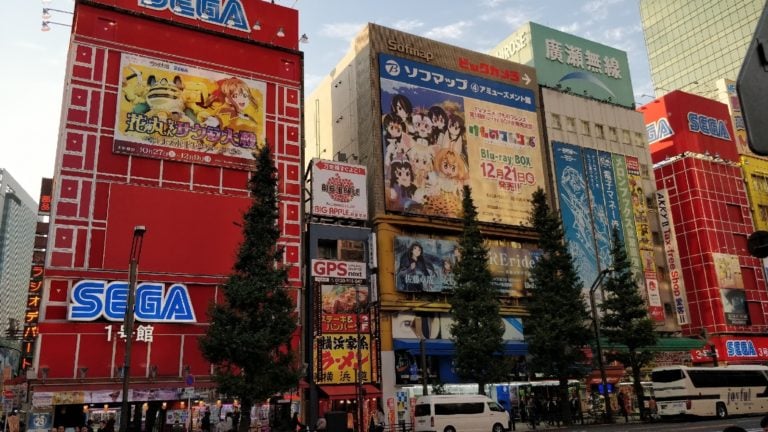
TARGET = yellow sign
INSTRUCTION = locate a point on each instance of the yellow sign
(343, 357)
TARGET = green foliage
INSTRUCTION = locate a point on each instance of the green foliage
(477, 329)
(248, 339)
(625, 317)
(556, 329)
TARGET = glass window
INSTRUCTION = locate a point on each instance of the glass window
(570, 122)
(600, 131)
(612, 134)
(625, 136)
(585, 127)
(556, 121)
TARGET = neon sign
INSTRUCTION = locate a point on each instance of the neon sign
(92, 299)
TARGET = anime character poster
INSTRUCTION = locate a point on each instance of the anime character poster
(575, 210)
(443, 130)
(735, 306)
(602, 230)
(424, 265)
(172, 111)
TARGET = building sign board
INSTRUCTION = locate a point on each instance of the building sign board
(339, 190)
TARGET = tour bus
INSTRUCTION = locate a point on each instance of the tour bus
(459, 413)
(710, 391)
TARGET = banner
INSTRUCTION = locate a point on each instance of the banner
(182, 113)
(342, 357)
(672, 256)
(427, 265)
(601, 227)
(443, 130)
(609, 193)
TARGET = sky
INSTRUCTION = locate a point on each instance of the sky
(32, 78)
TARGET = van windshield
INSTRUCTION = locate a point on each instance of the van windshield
(422, 410)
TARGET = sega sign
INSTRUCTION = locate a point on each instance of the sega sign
(709, 126)
(740, 348)
(230, 14)
(94, 299)
(658, 130)
(338, 269)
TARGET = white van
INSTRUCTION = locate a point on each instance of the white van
(459, 413)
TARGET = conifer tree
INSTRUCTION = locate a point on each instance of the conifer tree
(625, 317)
(477, 327)
(556, 329)
(248, 339)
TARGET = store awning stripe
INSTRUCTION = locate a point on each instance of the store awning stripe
(446, 347)
(662, 345)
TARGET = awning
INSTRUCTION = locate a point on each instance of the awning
(612, 376)
(349, 391)
(446, 347)
(662, 345)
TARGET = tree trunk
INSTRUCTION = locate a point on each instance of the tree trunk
(565, 406)
(245, 415)
(639, 393)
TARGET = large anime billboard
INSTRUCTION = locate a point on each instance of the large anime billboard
(173, 111)
(443, 130)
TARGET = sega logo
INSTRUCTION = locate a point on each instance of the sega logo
(93, 299)
(708, 126)
(658, 130)
(740, 348)
(344, 269)
(230, 14)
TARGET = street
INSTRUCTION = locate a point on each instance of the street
(751, 424)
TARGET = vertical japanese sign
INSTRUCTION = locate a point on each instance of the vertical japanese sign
(672, 256)
(609, 193)
(602, 230)
(443, 130)
(344, 348)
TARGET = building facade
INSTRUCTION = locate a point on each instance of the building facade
(708, 221)
(18, 221)
(692, 44)
(160, 135)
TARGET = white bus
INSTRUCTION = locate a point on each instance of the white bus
(710, 391)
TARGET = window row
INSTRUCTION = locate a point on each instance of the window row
(598, 130)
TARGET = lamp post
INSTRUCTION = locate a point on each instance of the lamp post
(596, 323)
(133, 269)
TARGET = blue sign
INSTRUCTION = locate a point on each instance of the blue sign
(230, 14)
(708, 126)
(92, 299)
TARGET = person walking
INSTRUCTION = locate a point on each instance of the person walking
(621, 399)
(205, 423)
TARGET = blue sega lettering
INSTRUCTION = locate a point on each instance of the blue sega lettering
(740, 348)
(93, 299)
(231, 14)
(708, 126)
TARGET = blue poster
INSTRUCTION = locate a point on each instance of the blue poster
(602, 229)
(609, 193)
(574, 209)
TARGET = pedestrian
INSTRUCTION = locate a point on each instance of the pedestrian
(623, 406)
(236, 418)
(296, 424)
(764, 423)
(381, 420)
(205, 423)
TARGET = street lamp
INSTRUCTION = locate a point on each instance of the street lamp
(133, 269)
(596, 323)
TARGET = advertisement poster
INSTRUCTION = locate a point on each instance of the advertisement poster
(735, 306)
(338, 190)
(601, 226)
(182, 113)
(609, 193)
(344, 306)
(443, 130)
(627, 213)
(342, 357)
(426, 265)
(672, 256)
(575, 210)
(728, 271)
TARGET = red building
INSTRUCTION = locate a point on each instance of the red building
(164, 104)
(719, 287)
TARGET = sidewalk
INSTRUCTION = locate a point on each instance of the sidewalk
(575, 427)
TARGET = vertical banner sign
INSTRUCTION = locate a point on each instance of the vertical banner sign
(443, 130)
(600, 223)
(672, 256)
(731, 283)
(643, 232)
(737, 119)
(610, 194)
(574, 209)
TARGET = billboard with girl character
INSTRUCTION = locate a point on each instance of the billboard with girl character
(178, 112)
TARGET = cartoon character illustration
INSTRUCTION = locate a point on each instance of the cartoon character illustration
(455, 137)
(194, 94)
(401, 106)
(444, 187)
(414, 270)
(452, 170)
(439, 123)
(422, 128)
(420, 157)
(234, 107)
(164, 98)
(135, 90)
(401, 187)
(396, 141)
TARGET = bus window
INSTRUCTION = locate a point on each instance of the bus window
(667, 376)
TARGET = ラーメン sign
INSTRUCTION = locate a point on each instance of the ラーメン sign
(94, 299)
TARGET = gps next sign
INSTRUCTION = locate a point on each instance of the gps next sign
(332, 269)
(681, 122)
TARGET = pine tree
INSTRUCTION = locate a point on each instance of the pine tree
(625, 317)
(556, 329)
(248, 339)
(477, 327)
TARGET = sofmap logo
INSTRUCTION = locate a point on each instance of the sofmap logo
(229, 13)
(93, 299)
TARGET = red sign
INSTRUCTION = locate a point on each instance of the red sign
(734, 349)
(338, 269)
(8, 394)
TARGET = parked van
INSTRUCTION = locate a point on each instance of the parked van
(459, 413)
